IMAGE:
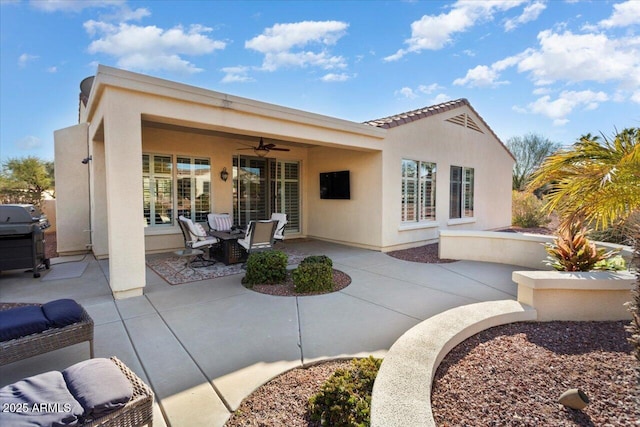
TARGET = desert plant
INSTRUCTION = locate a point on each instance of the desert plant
(344, 400)
(266, 267)
(323, 259)
(595, 180)
(526, 210)
(313, 277)
(572, 251)
(529, 151)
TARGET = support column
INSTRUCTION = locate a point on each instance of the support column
(123, 173)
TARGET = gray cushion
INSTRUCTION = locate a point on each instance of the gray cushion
(41, 400)
(99, 385)
(22, 321)
(62, 312)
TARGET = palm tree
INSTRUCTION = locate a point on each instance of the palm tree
(595, 180)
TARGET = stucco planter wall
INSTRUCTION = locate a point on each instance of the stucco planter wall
(562, 295)
(526, 250)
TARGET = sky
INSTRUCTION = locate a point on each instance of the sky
(558, 69)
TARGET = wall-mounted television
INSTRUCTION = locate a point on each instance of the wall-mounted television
(335, 185)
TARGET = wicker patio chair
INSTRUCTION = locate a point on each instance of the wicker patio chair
(137, 412)
(46, 341)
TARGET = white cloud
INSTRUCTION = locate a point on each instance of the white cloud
(151, 48)
(583, 57)
(291, 45)
(558, 109)
(406, 92)
(52, 69)
(29, 142)
(624, 15)
(530, 13)
(433, 32)
(439, 99)
(73, 5)
(480, 76)
(333, 77)
(239, 74)
(25, 58)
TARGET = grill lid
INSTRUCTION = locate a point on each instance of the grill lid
(22, 214)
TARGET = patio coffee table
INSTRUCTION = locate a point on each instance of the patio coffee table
(229, 251)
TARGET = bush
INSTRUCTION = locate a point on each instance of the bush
(313, 277)
(572, 251)
(266, 267)
(526, 210)
(344, 400)
(322, 259)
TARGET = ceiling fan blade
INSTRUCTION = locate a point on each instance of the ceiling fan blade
(280, 149)
(269, 146)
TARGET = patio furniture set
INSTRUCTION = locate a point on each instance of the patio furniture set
(225, 242)
(94, 392)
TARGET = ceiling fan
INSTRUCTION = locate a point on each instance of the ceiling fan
(263, 149)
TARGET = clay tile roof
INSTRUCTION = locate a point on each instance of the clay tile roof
(410, 116)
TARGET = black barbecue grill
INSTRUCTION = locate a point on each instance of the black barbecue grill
(22, 238)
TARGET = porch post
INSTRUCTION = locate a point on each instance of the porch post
(123, 172)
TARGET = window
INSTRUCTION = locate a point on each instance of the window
(192, 183)
(157, 189)
(418, 191)
(263, 186)
(461, 197)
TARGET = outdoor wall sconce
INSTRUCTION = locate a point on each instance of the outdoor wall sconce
(224, 175)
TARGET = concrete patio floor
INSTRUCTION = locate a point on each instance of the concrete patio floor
(204, 346)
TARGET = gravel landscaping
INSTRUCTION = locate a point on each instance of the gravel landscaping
(286, 289)
(512, 375)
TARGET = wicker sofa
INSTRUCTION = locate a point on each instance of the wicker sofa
(96, 392)
(48, 340)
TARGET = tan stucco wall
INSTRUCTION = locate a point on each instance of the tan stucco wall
(579, 296)
(72, 189)
(355, 221)
(432, 139)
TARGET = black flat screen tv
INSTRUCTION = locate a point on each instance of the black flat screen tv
(335, 185)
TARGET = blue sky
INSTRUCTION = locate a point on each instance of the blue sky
(560, 69)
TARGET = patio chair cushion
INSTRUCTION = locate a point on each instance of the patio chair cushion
(223, 223)
(99, 385)
(22, 321)
(62, 312)
(41, 400)
(200, 231)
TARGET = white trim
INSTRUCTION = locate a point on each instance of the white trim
(464, 220)
(418, 225)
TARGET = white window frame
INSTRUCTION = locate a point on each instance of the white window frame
(174, 176)
(422, 195)
(465, 195)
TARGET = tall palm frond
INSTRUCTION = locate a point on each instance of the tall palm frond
(597, 180)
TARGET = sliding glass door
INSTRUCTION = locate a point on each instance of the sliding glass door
(263, 186)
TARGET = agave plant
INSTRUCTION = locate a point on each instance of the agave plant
(572, 250)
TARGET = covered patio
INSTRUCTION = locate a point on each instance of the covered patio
(204, 346)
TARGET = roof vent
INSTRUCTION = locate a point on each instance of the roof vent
(465, 121)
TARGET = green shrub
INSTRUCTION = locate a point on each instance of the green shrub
(313, 277)
(526, 210)
(322, 259)
(344, 400)
(266, 267)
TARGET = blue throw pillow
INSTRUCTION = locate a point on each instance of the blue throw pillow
(22, 321)
(99, 385)
(41, 400)
(62, 312)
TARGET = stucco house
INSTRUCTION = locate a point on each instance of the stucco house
(146, 150)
